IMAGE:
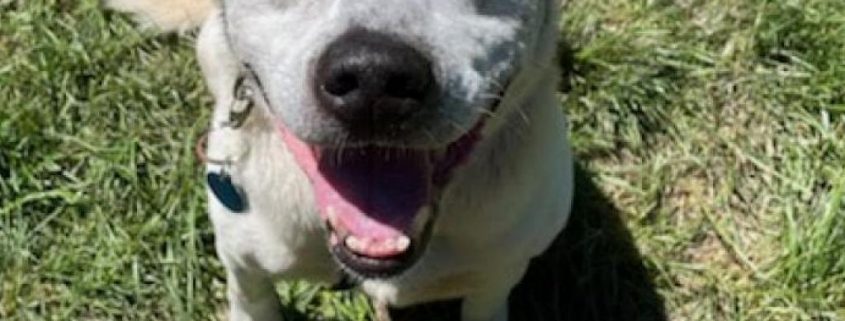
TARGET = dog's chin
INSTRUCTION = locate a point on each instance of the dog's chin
(379, 203)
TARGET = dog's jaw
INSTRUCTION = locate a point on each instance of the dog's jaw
(377, 201)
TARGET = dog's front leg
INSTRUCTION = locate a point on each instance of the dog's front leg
(252, 297)
(486, 307)
(491, 303)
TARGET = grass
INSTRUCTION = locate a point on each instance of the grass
(711, 133)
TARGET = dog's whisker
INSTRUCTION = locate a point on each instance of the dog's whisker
(449, 118)
(487, 111)
(458, 126)
(498, 85)
(341, 148)
(498, 96)
(522, 114)
(491, 95)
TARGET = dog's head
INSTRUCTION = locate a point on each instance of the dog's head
(381, 101)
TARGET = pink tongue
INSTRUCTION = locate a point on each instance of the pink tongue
(375, 193)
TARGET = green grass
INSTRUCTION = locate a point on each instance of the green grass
(713, 133)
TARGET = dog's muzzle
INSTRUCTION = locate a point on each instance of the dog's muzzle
(378, 201)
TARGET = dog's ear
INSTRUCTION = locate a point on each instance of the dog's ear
(166, 15)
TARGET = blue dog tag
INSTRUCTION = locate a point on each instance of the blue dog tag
(227, 193)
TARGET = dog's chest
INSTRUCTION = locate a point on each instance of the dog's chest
(280, 232)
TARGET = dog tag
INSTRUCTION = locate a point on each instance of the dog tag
(226, 192)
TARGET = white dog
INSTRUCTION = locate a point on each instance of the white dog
(414, 145)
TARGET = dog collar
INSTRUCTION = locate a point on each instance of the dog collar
(218, 175)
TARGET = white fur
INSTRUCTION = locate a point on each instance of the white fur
(500, 210)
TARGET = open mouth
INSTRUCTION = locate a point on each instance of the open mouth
(378, 202)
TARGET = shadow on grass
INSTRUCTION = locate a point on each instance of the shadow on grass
(592, 272)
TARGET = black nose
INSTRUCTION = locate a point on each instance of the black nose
(372, 81)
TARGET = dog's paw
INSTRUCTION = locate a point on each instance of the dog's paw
(382, 311)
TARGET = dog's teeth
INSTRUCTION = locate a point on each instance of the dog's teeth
(401, 243)
(332, 216)
(356, 244)
(386, 247)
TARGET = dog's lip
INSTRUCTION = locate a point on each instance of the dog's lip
(369, 267)
(364, 266)
(372, 248)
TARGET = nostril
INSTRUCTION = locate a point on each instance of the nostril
(341, 84)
